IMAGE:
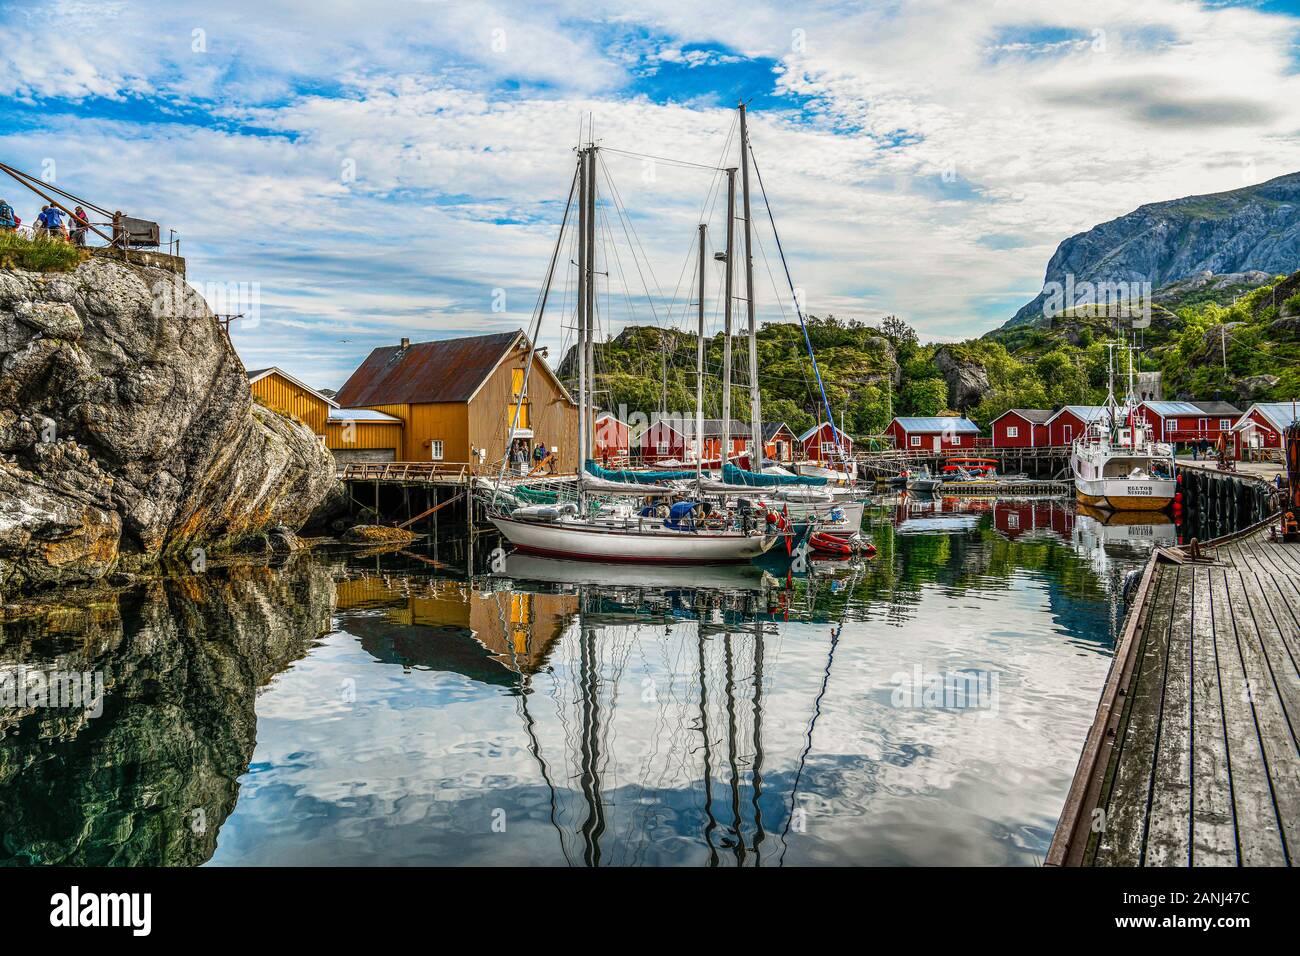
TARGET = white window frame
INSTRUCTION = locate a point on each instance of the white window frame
(828, 448)
(1013, 431)
(1225, 424)
(914, 441)
(436, 449)
(661, 448)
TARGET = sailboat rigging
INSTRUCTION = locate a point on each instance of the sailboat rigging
(711, 520)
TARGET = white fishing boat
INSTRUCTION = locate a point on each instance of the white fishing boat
(1117, 465)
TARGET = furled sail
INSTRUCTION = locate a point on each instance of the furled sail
(738, 476)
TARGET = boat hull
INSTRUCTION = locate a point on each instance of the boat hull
(1119, 494)
(575, 542)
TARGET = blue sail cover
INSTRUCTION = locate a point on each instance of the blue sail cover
(680, 517)
(638, 477)
(738, 476)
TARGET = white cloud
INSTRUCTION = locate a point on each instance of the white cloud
(947, 150)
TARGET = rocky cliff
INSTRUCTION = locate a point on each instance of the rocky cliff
(1255, 228)
(127, 431)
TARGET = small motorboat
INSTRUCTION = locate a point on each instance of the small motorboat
(923, 482)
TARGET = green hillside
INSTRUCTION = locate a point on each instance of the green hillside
(874, 371)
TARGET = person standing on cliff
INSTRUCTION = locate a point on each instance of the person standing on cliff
(80, 223)
(8, 222)
(50, 222)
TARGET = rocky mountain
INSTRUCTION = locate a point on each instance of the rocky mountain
(127, 431)
(1253, 229)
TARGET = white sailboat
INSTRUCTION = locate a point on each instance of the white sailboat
(1116, 464)
(693, 532)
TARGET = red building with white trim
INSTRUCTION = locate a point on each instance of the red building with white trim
(1071, 421)
(1020, 428)
(1188, 421)
(819, 443)
(935, 433)
(1261, 426)
(612, 437)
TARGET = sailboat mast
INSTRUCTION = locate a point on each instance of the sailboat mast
(582, 311)
(591, 292)
(699, 376)
(755, 410)
(727, 297)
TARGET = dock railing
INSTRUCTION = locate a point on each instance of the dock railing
(447, 472)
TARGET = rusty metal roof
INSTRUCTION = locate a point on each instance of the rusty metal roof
(449, 370)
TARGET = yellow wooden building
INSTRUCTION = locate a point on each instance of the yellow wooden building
(351, 434)
(457, 397)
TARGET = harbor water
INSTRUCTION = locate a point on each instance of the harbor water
(925, 706)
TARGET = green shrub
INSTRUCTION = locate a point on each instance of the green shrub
(38, 255)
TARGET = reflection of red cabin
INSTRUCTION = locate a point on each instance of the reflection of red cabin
(1020, 428)
(1013, 518)
(936, 433)
(612, 437)
(1072, 422)
(1188, 421)
(819, 443)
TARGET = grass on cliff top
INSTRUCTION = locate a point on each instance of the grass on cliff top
(38, 255)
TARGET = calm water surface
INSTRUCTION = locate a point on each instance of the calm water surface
(924, 707)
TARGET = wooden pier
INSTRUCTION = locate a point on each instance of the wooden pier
(1050, 460)
(1006, 489)
(1192, 759)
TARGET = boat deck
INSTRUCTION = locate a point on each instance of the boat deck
(1193, 758)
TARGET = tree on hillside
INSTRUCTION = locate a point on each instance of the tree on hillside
(924, 397)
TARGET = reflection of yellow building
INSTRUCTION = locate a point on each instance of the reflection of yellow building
(517, 629)
(351, 434)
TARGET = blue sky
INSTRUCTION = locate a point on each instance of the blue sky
(402, 173)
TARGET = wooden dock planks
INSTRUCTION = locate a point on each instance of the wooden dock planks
(1204, 769)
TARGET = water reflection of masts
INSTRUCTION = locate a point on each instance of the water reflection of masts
(712, 821)
(730, 696)
(530, 727)
(594, 825)
(812, 724)
(759, 832)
